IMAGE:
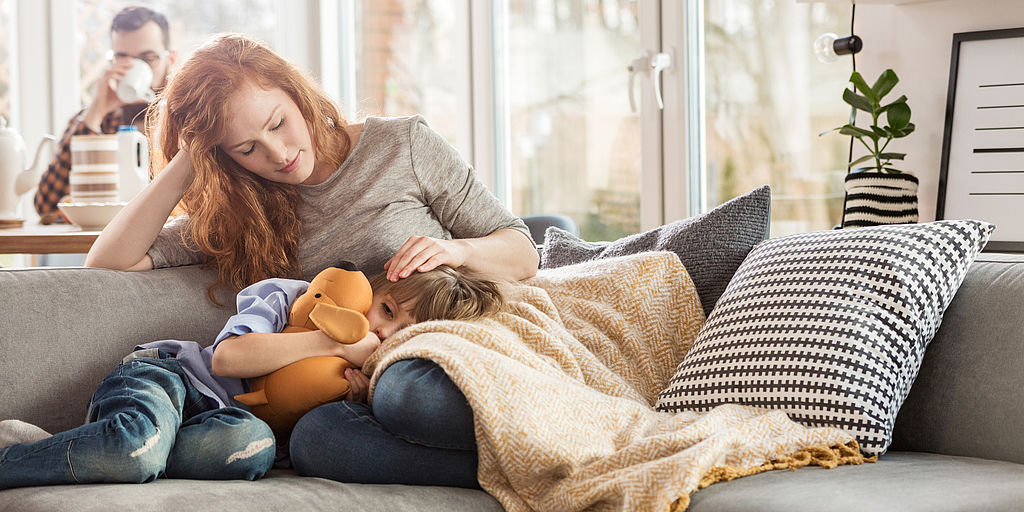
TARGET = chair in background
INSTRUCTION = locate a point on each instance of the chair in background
(540, 223)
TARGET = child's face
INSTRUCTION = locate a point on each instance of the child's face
(387, 316)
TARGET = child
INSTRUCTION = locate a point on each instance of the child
(167, 411)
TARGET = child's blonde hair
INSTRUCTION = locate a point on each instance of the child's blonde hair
(443, 293)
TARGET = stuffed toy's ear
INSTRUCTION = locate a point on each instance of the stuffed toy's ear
(341, 324)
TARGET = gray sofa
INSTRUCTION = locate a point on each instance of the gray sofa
(958, 440)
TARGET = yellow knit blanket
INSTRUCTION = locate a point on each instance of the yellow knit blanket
(562, 389)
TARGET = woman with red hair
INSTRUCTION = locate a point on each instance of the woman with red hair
(274, 183)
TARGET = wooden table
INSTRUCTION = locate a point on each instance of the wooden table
(39, 239)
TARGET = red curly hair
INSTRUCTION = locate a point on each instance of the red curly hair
(246, 225)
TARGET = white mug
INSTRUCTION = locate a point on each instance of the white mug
(136, 84)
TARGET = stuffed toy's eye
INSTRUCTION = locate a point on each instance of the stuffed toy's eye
(317, 296)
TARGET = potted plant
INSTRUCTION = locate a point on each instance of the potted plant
(878, 193)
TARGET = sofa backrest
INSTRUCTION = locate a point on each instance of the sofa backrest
(64, 329)
(968, 398)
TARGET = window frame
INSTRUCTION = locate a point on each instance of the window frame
(46, 95)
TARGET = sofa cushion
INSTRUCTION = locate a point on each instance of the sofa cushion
(711, 245)
(967, 397)
(903, 481)
(281, 490)
(69, 327)
(829, 326)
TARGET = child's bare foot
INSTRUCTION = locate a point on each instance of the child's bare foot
(357, 352)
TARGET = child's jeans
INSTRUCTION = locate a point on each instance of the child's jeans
(420, 432)
(146, 420)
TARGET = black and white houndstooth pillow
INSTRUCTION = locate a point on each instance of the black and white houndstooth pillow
(829, 326)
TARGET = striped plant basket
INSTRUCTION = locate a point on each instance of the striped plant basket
(876, 198)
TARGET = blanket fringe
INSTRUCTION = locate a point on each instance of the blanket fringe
(825, 456)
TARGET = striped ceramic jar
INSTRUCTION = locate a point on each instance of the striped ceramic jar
(877, 198)
(94, 169)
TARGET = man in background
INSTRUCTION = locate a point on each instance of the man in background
(135, 33)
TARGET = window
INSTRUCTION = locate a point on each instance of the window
(6, 79)
(192, 22)
(767, 99)
(406, 63)
(573, 143)
(560, 135)
(6, 43)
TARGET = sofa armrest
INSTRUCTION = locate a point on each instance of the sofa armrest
(64, 329)
(966, 399)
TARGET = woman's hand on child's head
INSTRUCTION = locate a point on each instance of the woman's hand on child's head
(359, 385)
(422, 254)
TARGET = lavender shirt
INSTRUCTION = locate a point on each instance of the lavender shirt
(262, 307)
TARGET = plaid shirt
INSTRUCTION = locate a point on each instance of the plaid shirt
(53, 185)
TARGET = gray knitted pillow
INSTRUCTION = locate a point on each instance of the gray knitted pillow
(711, 246)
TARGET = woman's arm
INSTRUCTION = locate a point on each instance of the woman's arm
(484, 232)
(505, 253)
(256, 353)
(123, 243)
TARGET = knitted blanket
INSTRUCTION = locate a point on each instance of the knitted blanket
(563, 387)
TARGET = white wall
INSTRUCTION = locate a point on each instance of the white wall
(915, 40)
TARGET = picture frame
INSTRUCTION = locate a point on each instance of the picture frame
(982, 168)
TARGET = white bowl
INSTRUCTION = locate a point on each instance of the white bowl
(90, 215)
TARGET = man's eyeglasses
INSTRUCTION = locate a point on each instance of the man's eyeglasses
(151, 58)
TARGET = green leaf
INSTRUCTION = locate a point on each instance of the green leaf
(856, 131)
(857, 101)
(862, 159)
(901, 99)
(880, 132)
(886, 81)
(892, 156)
(898, 116)
(892, 170)
(907, 130)
(862, 86)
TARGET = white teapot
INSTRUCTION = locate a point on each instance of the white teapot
(15, 178)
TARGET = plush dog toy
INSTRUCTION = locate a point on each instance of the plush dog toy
(336, 303)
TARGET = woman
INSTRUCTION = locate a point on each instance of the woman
(275, 183)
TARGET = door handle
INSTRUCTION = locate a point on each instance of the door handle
(653, 65)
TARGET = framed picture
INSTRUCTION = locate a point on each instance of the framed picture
(982, 173)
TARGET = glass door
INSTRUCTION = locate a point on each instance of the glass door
(571, 138)
(406, 61)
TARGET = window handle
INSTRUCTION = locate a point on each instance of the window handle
(653, 64)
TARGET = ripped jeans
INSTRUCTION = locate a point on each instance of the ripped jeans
(146, 421)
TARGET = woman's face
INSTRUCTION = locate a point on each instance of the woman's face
(267, 135)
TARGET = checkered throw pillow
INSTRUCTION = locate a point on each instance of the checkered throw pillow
(829, 326)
